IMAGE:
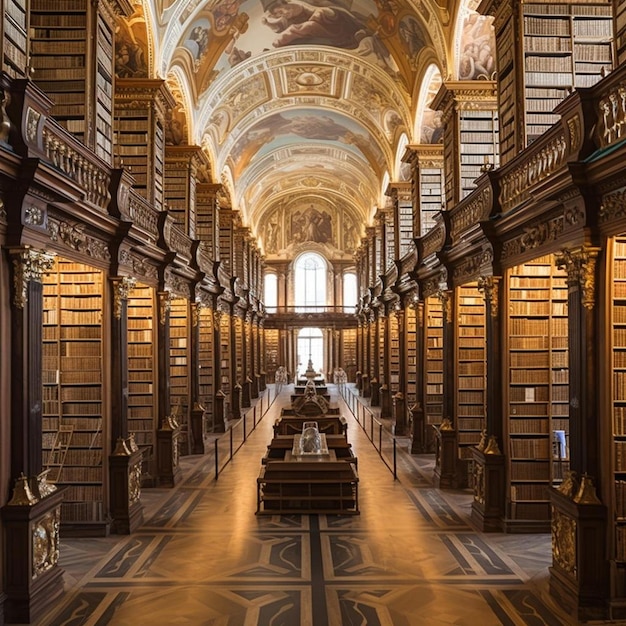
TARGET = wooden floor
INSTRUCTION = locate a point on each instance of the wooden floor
(204, 558)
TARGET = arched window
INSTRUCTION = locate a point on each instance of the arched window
(349, 293)
(310, 346)
(310, 283)
(270, 292)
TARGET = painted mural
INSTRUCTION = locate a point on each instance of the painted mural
(310, 221)
(131, 51)
(478, 45)
(234, 30)
(276, 130)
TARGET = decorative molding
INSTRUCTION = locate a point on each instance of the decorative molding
(28, 264)
(471, 213)
(34, 215)
(445, 297)
(613, 206)
(580, 265)
(433, 240)
(470, 266)
(534, 237)
(612, 116)
(75, 237)
(516, 185)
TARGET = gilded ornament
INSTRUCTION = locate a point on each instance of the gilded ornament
(492, 446)
(446, 424)
(22, 494)
(587, 492)
(165, 305)
(580, 265)
(482, 444)
(134, 483)
(28, 264)
(564, 531)
(43, 487)
(479, 483)
(121, 449)
(45, 543)
(131, 444)
(570, 484)
(121, 290)
(489, 287)
(32, 123)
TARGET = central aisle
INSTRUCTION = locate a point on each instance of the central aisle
(204, 558)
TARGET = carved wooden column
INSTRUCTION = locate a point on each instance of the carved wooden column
(400, 421)
(168, 432)
(125, 461)
(383, 371)
(254, 354)
(235, 386)
(446, 474)
(219, 407)
(246, 383)
(197, 413)
(31, 518)
(418, 434)
(378, 337)
(489, 466)
(579, 576)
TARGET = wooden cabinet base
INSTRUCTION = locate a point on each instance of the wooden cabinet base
(488, 487)
(33, 579)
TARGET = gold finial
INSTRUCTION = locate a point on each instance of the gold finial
(131, 444)
(587, 492)
(569, 486)
(120, 448)
(446, 424)
(22, 495)
(492, 446)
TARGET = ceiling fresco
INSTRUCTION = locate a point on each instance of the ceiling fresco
(303, 106)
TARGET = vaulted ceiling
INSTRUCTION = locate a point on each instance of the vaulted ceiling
(300, 106)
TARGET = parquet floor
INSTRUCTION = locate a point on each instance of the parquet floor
(204, 558)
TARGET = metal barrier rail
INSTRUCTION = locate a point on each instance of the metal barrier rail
(383, 441)
(231, 441)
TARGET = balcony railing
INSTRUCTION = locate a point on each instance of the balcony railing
(304, 310)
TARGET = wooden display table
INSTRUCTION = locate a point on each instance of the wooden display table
(328, 424)
(281, 444)
(302, 484)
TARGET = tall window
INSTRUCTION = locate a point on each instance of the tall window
(310, 283)
(349, 293)
(310, 346)
(270, 292)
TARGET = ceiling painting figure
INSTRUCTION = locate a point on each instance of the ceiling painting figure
(478, 44)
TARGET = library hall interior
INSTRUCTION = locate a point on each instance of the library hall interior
(313, 313)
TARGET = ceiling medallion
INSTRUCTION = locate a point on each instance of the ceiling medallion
(309, 79)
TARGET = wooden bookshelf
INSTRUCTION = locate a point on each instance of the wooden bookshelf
(431, 197)
(471, 368)
(411, 339)
(140, 106)
(206, 360)
(180, 363)
(348, 346)
(239, 353)
(479, 145)
(538, 392)
(142, 396)
(15, 40)
(617, 282)
(72, 374)
(271, 354)
(394, 354)
(566, 46)
(433, 362)
(620, 30)
(77, 77)
(225, 354)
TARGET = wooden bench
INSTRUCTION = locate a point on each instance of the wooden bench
(328, 424)
(282, 444)
(307, 487)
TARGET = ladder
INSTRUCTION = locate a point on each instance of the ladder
(60, 445)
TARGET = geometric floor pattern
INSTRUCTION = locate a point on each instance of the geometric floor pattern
(203, 558)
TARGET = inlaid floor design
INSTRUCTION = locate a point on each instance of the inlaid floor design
(203, 557)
